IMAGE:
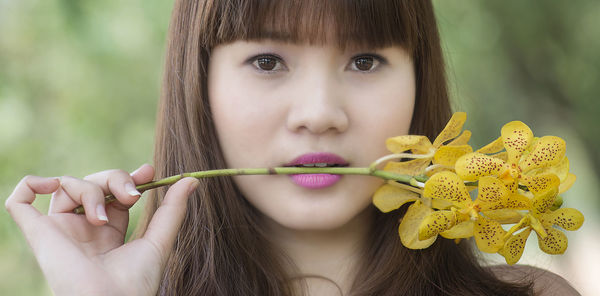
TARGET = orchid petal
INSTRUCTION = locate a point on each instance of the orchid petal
(472, 166)
(492, 194)
(567, 183)
(437, 222)
(463, 139)
(412, 167)
(561, 170)
(516, 137)
(517, 201)
(501, 155)
(441, 204)
(388, 198)
(461, 230)
(417, 144)
(567, 218)
(452, 129)
(514, 246)
(554, 243)
(547, 151)
(540, 183)
(544, 189)
(493, 147)
(489, 235)
(409, 226)
(447, 155)
(511, 184)
(447, 186)
(503, 216)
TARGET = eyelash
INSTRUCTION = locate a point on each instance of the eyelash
(254, 59)
(377, 58)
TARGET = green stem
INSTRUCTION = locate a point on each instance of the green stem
(406, 179)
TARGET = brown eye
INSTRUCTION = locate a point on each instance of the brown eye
(266, 64)
(269, 64)
(364, 63)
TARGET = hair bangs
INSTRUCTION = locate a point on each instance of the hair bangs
(373, 24)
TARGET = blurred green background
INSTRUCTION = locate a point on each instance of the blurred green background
(79, 82)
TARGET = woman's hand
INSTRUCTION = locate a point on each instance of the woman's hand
(86, 254)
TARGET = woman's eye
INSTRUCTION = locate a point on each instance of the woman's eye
(365, 63)
(268, 63)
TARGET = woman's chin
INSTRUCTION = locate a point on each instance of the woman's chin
(318, 219)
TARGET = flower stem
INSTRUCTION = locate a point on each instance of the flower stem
(406, 179)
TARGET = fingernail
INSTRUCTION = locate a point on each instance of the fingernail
(137, 170)
(101, 212)
(193, 187)
(131, 190)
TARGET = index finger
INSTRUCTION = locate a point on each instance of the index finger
(18, 204)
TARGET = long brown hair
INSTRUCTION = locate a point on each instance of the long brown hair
(220, 249)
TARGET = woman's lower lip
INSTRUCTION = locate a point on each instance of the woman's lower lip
(315, 181)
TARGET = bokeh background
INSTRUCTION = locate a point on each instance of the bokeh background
(79, 83)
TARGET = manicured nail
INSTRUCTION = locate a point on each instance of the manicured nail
(131, 190)
(101, 213)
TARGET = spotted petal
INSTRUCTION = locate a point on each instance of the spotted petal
(412, 167)
(561, 170)
(517, 201)
(461, 230)
(539, 183)
(547, 151)
(544, 189)
(516, 137)
(567, 218)
(447, 186)
(447, 155)
(514, 246)
(452, 129)
(492, 194)
(417, 144)
(409, 226)
(489, 235)
(554, 243)
(472, 166)
(388, 198)
(437, 222)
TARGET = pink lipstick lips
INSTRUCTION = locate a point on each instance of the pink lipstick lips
(321, 159)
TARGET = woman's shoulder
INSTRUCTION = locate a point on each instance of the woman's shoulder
(545, 283)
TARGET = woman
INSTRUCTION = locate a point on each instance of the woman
(263, 84)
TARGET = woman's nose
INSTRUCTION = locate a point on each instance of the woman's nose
(318, 105)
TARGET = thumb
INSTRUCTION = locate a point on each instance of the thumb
(164, 226)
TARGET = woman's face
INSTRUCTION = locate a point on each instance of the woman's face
(277, 104)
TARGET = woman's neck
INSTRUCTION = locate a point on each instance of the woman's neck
(326, 259)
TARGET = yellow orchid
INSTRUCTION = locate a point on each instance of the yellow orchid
(525, 160)
(519, 186)
(463, 219)
(542, 220)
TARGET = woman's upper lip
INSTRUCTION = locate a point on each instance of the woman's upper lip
(318, 157)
